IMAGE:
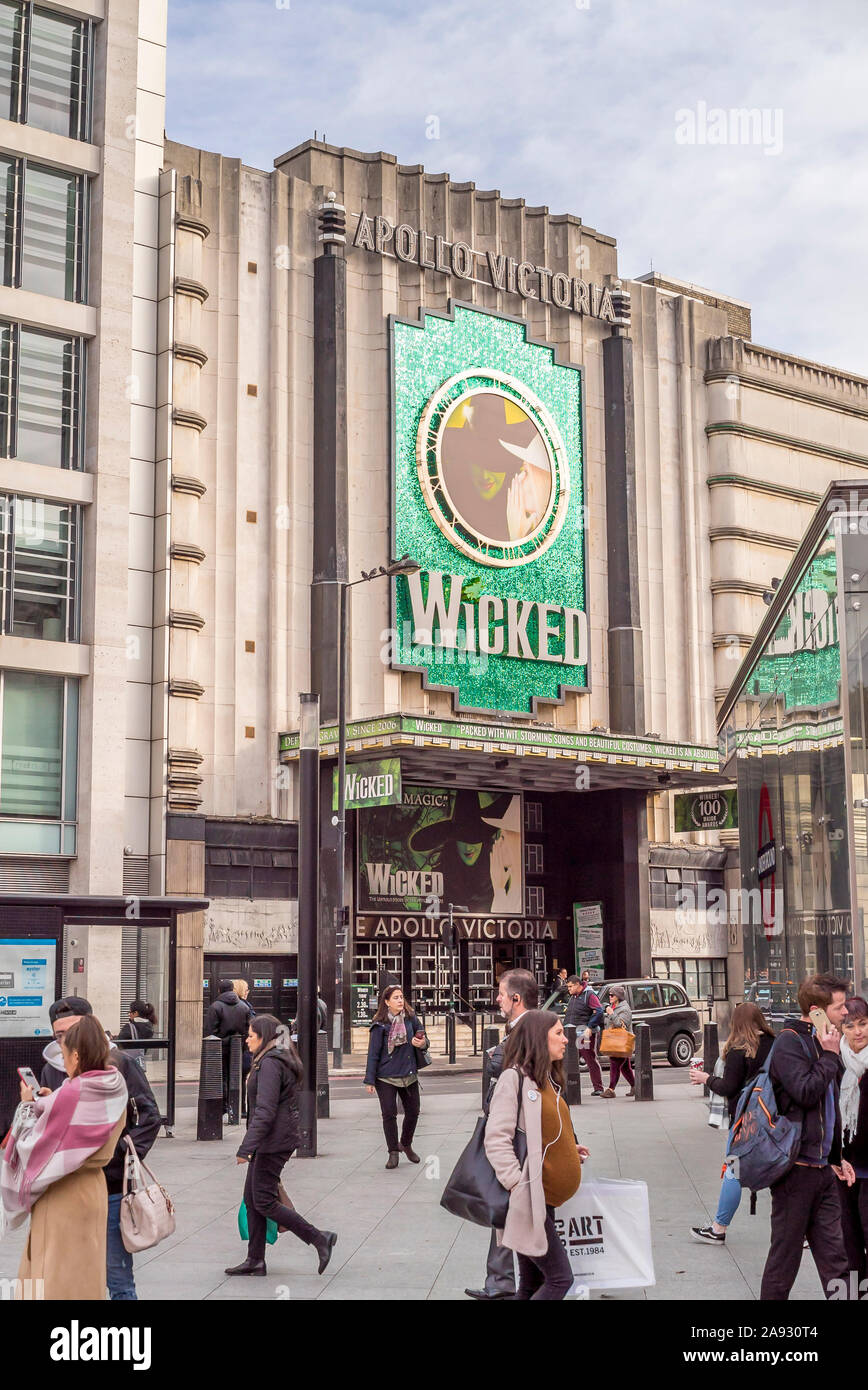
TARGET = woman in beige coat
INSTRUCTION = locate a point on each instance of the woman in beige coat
(528, 1097)
(52, 1170)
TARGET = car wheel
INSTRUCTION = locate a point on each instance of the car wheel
(681, 1050)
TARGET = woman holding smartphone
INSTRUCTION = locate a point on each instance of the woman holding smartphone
(397, 1037)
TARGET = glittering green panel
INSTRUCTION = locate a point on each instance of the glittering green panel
(807, 676)
(424, 357)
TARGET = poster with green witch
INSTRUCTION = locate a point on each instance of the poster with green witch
(442, 846)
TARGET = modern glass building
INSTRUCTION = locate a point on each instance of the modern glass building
(793, 738)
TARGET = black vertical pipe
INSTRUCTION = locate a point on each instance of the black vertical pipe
(626, 681)
(308, 912)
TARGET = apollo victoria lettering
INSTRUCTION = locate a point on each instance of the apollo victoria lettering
(408, 928)
(414, 245)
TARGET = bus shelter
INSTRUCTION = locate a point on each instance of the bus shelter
(109, 950)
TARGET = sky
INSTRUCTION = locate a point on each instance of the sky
(622, 112)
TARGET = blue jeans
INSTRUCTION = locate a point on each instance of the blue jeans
(730, 1196)
(119, 1261)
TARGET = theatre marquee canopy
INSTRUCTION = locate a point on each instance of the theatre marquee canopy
(531, 758)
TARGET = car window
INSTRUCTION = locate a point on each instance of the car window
(672, 995)
(645, 996)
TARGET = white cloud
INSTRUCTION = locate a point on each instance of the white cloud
(576, 109)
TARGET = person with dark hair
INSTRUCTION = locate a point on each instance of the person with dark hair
(392, 1071)
(805, 1068)
(142, 1125)
(270, 1141)
(853, 1190)
(528, 1097)
(745, 1053)
(141, 1023)
(226, 1017)
(517, 993)
(51, 1169)
(585, 1013)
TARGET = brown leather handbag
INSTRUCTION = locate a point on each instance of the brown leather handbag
(616, 1042)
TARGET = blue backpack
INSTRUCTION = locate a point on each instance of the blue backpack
(763, 1143)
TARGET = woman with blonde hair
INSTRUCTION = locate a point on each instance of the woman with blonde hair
(51, 1169)
(745, 1053)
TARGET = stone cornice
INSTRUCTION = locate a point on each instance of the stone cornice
(193, 486)
(186, 550)
(738, 586)
(793, 494)
(742, 533)
(186, 223)
(786, 441)
(781, 373)
(191, 418)
(194, 288)
(194, 622)
(185, 688)
(186, 352)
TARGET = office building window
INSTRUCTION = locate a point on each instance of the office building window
(45, 69)
(38, 763)
(244, 860)
(533, 815)
(43, 228)
(535, 902)
(39, 568)
(700, 978)
(41, 379)
(669, 886)
(533, 855)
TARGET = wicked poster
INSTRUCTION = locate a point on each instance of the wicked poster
(442, 846)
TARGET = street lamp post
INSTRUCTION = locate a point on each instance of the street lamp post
(405, 565)
(308, 916)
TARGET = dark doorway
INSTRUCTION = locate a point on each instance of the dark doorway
(273, 982)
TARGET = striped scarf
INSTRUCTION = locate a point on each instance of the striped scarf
(55, 1135)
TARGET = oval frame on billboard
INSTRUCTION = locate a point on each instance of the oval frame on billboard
(488, 550)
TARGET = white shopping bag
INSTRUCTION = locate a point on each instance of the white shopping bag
(606, 1229)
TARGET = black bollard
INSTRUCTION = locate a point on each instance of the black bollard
(450, 1037)
(642, 1063)
(322, 1076)
(573, 1088)
(209, 1120)
(490, 1039)
(710, 1051)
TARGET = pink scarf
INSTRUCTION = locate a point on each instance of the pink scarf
(55, 1135)
(397, 1032)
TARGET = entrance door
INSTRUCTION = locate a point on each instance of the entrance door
(273, 982)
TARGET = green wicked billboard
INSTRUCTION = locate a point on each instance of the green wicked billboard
(489, 498)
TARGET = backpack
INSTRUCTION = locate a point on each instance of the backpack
(763, 1143)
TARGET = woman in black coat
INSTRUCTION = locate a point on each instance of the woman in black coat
(745, 1053)
(271, 1138)
(396, 1041)
(853, 1100)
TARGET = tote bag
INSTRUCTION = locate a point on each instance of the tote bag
(473, 1192)
(606, 1231)
(616, 1042)
(147, 1213)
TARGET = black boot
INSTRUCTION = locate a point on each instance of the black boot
(248, 1267)
(324, 1245)
(408, 1150)
(392, 1160)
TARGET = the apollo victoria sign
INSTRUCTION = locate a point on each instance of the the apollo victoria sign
(416, 246)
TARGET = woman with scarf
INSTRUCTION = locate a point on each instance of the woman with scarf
(51, 1170)
(396, 1039)
(270, 1140)
(854, 1133)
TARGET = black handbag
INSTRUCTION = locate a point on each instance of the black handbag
(473, 1191)
(423, 1054)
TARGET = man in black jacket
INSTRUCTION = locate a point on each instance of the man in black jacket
(518, 992)
(142, 1126)
(226, 1017)
(806, 1072)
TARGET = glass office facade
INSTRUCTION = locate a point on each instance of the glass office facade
(793, 736)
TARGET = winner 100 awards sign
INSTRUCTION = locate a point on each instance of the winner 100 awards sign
(489, 498)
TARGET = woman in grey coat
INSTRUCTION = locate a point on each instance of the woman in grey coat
(618, 1015)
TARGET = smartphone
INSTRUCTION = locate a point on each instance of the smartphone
(819, 1018)
(29, 1078)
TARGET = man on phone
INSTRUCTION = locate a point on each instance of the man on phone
(142, 1126)
(517, 993)
(806, 1070)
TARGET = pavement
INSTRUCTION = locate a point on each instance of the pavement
(396, 1242)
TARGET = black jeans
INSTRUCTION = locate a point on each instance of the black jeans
(854, 1220)
(411, 1102)
(262, 1202)
(545, 1277)
(804, 1203)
